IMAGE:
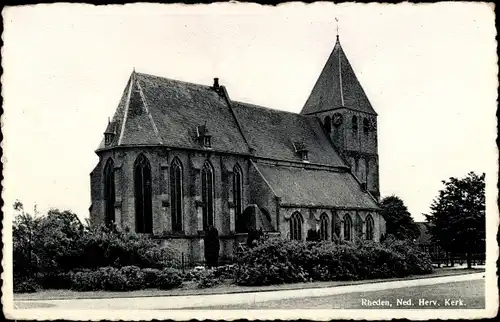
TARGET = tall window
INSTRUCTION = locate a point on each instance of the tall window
(237, 195)
(327, 123)
(207, 190)
(143, 195)
(296, 226)
(355, 123)
(366, 126)
(109, 192)
(324, 223)
(369, 227)
(347, 227)
(176, 194)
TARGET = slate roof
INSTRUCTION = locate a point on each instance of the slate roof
(310, 187)
(161, 111)
(271, 133)
(337, 86)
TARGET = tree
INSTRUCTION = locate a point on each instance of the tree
(60, 241)
(399, 222)
(24, 232)
(457, 218)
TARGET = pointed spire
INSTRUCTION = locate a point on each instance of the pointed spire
(337, 86)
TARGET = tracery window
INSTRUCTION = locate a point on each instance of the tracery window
(143, 195)
(296, 226)
(366, 125)
(237, 198)
(355, 123)
(369, 227)
(347, 227)
(176, 196)
(324, 223)
(207, 190)
(109, 192)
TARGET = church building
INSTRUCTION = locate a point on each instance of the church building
(177, 158)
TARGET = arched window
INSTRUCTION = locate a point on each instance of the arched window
(296, 226)
(324, 223)
(355, 123)
(176, 194)
(327, 124)
(366, 126)
(237, 196)
(369, 227)
(347, 227)
(143, 195)
(207, 194)
(109, 192)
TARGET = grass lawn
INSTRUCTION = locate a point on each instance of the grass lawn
(190, 288)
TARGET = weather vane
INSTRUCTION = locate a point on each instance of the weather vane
(337, 20)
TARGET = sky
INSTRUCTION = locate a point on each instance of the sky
(429, 70)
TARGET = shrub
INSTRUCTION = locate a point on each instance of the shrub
(283, 261)
(225, 271)
(55, 280)
(112, 247)
(134, 278)
(209, 279)
(150, 277)
(169, 278)
(194, 274)
(25, 285)
(86, 280)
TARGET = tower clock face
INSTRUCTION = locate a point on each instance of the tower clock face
(337, 119)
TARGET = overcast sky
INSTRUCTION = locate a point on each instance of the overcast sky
(430, 72)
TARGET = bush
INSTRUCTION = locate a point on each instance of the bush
(86, 280)
(283, 261)
(134, 278)
(225, 271)
(169, 278)
(209, 279)
(111, 247)
(194, 274)
(56, 280)
(25, 285)
(150, 277)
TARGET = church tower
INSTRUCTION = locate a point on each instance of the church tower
(347, 116)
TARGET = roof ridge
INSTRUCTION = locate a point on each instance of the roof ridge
(273, 109)
(126, 107)
(174, 80)
(144, 101)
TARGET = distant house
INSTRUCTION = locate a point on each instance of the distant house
(177, 158)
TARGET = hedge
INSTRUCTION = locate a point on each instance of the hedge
(278, 261)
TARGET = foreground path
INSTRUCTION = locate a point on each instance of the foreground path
(243, 300)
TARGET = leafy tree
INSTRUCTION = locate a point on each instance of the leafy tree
(60, 241)
(25, 229)
(399, 222)
(457, 218)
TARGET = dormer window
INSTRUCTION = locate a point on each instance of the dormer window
(204, 138)
(109, 134)
(206, 142)
(301, 150)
